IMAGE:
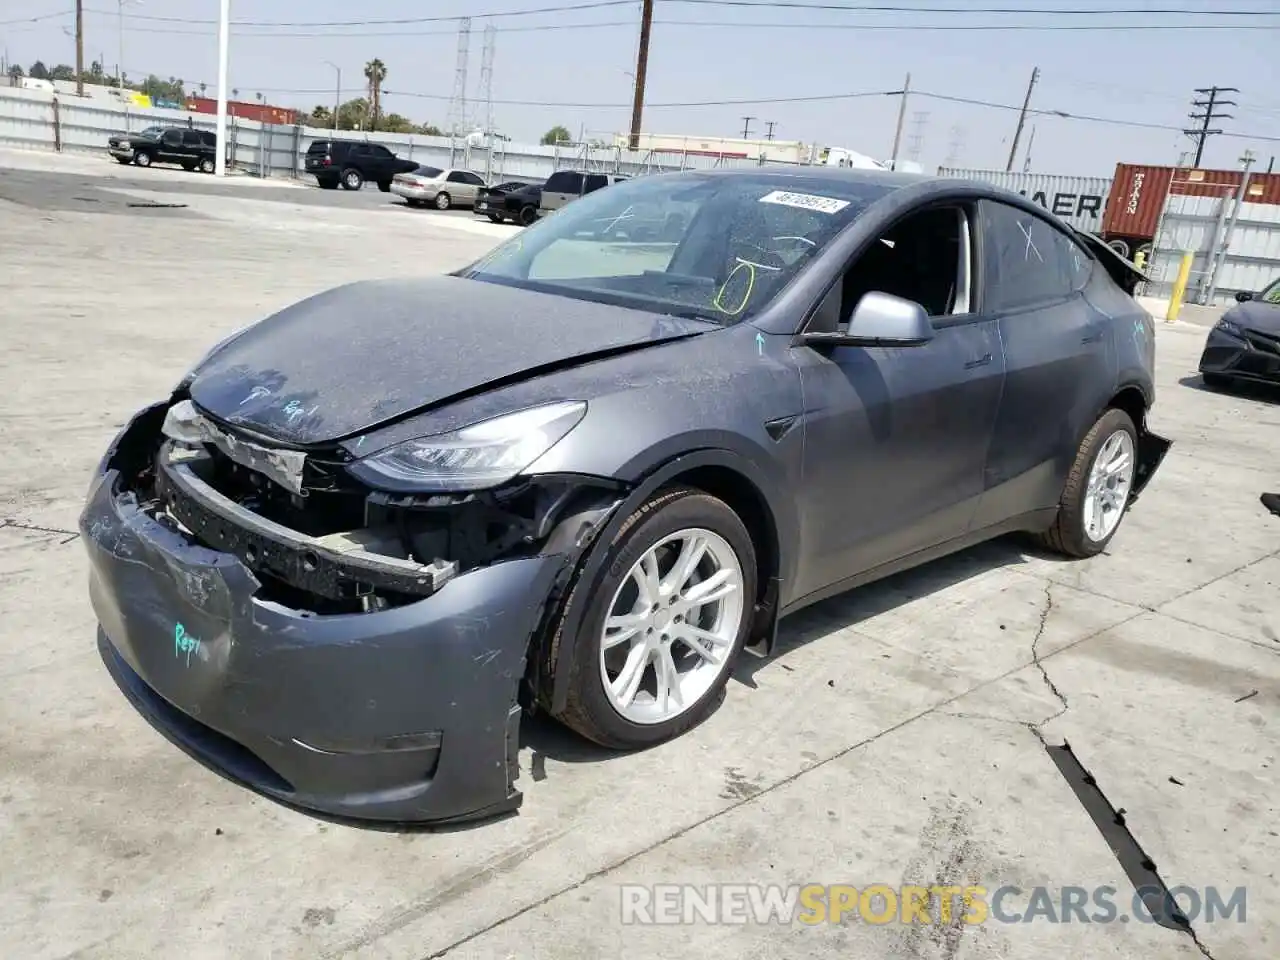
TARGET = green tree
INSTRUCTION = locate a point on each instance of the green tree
(375, 71)
(16, 72)
(430, 130)
(38, 71)
(62, 72)
(394, 123)
(320, 117)
(556, 134)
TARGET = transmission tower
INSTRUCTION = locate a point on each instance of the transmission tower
(458, 103)
(1209, 104)
(956, 146)
(486, 75)
(915, 143)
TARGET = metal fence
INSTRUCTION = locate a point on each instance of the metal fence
(1234, 246)
(35, 119)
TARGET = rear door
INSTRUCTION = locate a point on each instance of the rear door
(317, 153)
(594, 182)
(561, 187)
(382, 162)
(192, 144)
(1058, 358)
(463, 185)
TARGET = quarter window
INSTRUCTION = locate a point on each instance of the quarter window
(1028, 260)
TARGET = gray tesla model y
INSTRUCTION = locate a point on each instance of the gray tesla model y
(365, 533)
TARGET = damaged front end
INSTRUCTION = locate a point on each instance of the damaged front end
(341, 648)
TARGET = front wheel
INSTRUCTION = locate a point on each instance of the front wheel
(1098, 488)
(208, 165)
(665, 621)
(443, 200)
(142, 158)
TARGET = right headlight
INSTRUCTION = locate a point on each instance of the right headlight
(1226, 326)
(485, 454)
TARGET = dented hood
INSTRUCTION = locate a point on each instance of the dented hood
(369, 353)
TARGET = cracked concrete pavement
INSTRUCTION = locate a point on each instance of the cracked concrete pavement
(896, 737)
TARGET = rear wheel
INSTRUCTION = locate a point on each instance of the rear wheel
(142, 158)
(352, 179)
(443, 201)
(208, 165)
(1098, 488)
(528, 214)
(665, 621)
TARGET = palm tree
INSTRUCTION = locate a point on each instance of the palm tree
(375, 71)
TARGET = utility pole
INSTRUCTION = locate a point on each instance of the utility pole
(746, 127)
(642, 66)
(79, 48)
(224, 42)
(1022, 118)
(337, 93)
(1211, 113)
(770, 124)
(902, 114)
(1031, 142)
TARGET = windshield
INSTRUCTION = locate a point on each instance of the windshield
(428, 172)
(1272, 293)
(689, 244)
(151, 132)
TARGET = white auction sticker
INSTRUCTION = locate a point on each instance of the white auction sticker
(805, 201)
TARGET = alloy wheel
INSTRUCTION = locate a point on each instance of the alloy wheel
(1110, 480)
(671, 626)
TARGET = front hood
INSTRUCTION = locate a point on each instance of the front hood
(1255, 315)
(369, 353)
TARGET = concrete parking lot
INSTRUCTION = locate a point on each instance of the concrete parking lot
(905, 734)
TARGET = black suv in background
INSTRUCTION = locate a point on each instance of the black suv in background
(511, 200)
(352, 162)
(191, 149)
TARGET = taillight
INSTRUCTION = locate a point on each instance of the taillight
(327, 161)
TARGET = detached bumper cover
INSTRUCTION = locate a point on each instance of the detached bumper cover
(1247, 354)
(405, 715)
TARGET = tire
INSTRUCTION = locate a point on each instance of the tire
(590, 710)
(1216, 381)
(528, 214)
(1070, 534)
(443, 201)
(352, 179)
(384, 186)
(328, 183)
(495, 217)
(208, 165)
(142, 158)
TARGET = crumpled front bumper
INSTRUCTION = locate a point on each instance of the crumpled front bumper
(407, 714)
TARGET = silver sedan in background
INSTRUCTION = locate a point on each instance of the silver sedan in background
(440, 188)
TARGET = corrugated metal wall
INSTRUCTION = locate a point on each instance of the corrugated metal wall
(1080, 201)
(1191, 224)
(28, 119)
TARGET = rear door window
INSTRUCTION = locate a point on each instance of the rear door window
(1028, 260)
(191, 138)
(318, 147)
(564, 182)
(595, 181)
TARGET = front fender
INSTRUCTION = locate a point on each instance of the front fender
(562, 637)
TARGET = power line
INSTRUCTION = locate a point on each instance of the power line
(1203, 133)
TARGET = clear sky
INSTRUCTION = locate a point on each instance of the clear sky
(777, 51)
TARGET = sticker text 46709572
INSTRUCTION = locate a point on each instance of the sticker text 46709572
(805, 201)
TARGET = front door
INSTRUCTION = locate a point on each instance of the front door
(896, 438)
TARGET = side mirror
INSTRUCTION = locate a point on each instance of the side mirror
(1244, 296)
(880, 320)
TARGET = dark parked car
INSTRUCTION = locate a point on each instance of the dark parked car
(352, 162)
(515, 200)
(191, 149)
(1245, 343)
(584, 472)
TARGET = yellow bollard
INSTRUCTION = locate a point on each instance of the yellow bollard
(1179, 287)
(1140, 259)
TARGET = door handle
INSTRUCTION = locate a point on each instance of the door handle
(980, 362)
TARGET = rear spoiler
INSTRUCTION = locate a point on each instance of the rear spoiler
(1124, 272)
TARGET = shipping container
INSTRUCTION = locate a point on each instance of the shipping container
(1080, 201)
(1139, 191)
(257, 112)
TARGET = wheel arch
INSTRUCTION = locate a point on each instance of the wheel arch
(720, 473)
(1135, 400)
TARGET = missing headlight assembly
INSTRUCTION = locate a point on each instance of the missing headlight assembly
(319, 538)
